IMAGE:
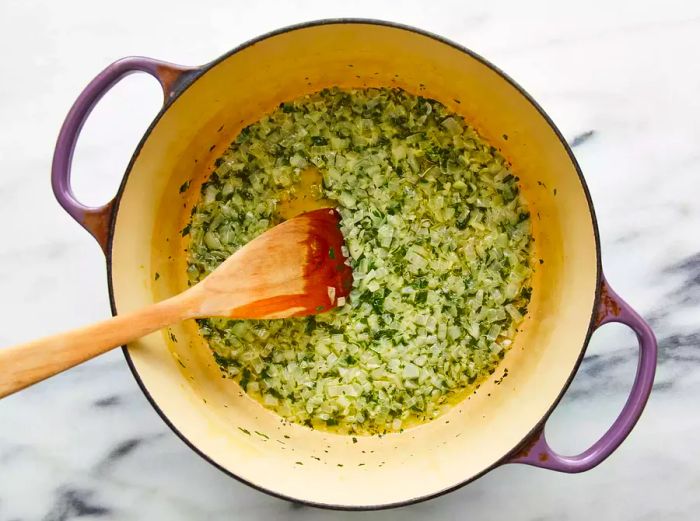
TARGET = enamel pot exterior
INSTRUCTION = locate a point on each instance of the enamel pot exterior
(140, 232)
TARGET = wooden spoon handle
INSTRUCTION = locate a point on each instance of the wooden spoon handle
(26, 364)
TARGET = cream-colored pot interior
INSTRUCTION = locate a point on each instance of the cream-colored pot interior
(238, 434)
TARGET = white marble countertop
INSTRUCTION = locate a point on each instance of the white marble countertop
(622, 83)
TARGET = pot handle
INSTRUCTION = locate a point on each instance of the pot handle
(96, 220)
(537, 451)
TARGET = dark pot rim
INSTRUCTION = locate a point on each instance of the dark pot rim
(191, 78)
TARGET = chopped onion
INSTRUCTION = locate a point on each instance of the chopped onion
(436, 233)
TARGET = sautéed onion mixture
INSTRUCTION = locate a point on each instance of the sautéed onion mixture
(439, 241)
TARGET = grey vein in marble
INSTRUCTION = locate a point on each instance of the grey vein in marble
(581, 138)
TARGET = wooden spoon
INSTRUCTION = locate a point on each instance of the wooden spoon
(294, 269)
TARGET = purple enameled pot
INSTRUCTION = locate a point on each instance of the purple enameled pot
(204, 108)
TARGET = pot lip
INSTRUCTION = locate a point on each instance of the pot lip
(201, 71)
